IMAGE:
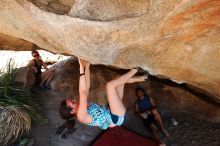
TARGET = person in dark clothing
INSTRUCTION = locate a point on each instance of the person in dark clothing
(146, 109)
(42, 78)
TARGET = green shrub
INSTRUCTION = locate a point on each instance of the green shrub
(17, 107)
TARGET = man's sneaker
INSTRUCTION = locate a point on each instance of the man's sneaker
(42, 87)
(60, 129)
(68, 132)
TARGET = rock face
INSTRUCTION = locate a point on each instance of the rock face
(55, 6)
(106, 10)
(8, 42)
(179, 40)
(25, 77)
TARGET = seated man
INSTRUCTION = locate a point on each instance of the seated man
(43, 79)
(145, 108)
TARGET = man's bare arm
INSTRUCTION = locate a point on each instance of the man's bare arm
(44, 65)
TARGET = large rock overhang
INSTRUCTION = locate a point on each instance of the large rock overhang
(178, 40)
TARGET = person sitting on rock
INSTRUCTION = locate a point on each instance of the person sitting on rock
(93, 114)
(42, 79)
(146, 109)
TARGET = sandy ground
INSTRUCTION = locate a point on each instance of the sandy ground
(44, 135)
(193, 132)
(188, 132)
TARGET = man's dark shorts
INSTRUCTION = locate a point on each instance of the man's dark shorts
(150, 120)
